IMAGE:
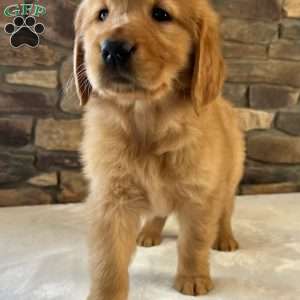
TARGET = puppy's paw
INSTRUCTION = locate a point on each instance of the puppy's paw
(105, 297)
(193, 286)
(226, 244)
(148, 239)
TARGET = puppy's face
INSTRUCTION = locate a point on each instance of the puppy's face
(139, 50)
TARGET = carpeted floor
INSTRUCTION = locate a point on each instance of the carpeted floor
(43, 255)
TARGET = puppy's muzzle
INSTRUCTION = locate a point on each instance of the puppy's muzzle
(117, 54)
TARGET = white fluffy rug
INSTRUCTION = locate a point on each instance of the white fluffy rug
(43, 255)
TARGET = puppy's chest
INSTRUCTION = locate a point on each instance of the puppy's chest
(150, 156)
(151, 162)
(145, 146)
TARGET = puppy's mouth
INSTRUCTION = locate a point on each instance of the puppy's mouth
(123, 82)
(120, 77)
(119, 81)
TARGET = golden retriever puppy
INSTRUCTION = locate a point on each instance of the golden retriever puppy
(158, 137)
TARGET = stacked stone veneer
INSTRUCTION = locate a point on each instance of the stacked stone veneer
(40, 117)
(262, 48)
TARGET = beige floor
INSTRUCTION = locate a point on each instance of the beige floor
(43, 255)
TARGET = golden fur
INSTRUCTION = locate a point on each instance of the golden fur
(165, 143)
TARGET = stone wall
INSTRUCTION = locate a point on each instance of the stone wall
(262, 48)
(40, 117)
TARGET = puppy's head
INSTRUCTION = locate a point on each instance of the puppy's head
(138, 50)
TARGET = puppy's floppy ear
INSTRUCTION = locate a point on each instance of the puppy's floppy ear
(208, 74)
(83, 85)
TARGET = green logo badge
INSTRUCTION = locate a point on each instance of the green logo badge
(24, 29)
(24, 9)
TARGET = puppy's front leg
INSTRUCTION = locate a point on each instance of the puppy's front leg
(113, 230)
(197, 232)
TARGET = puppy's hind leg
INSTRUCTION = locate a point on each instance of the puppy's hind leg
(225, 240)
(150, 234)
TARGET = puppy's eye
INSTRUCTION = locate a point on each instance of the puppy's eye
(103, 14)
(161, 15)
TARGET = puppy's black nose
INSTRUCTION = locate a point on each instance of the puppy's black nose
(116, 53)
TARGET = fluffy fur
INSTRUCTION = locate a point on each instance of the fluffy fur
(165, 142)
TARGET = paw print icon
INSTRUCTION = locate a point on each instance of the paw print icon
(24, 32)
